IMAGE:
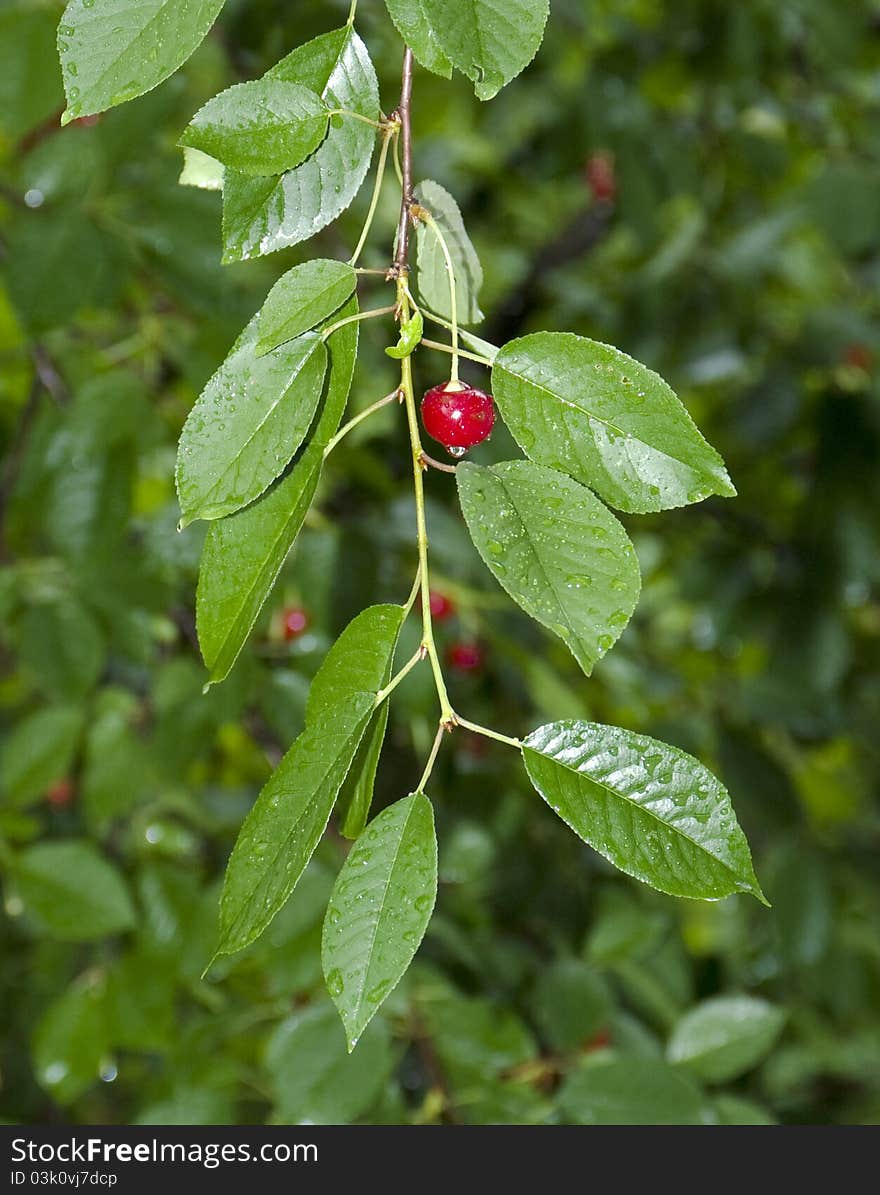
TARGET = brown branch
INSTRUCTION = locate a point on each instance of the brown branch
(406, 198)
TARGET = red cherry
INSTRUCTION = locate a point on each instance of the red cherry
(441, 607)
(466, 657)
(458, 416)
(60, 793)
(600, 176)
(859, 356)
(295, 622)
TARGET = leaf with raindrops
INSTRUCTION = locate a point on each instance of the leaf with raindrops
(302, 298)
(247, 423)
(279, 835)
(244, 552)
(487, 41)
(266, 126)
(379, 910)
(432, 276)
(606, 420)
(114, 50)
(556, 549)
(261, 215)
(652, 810)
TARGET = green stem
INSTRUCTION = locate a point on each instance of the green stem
(444, 323)
(396, 157)
(428, 219)
(354, 319)
(359, 418)
(456, 352)
(447, 714)
(376, 124)
(395, 680)
(489, 734)
(414, 592)
(432, 758)
(351, 12)
(380, 174)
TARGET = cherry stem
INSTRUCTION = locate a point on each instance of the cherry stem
(355, 319)
(489, 734)
(377, 188)
(351, 13)
(427, 218)
(456, 352)
(405, 671)
(359, 418)
(432, 757)
(429, 460)
(414, 592)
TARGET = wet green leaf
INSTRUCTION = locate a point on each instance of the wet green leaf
(628, 1091)
(412, 24)
(655, 812)
(71, 1040)
(489, 42)
(556, 549)
(261, 215)
(114, 50)
(248, 422)
(606, 420)
(244, 552)
(356, 796)
(290, 815)
(432, 277)
(303, 298)
(266, 126)
(379, 910)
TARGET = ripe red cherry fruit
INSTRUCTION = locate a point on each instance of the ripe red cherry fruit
(458, 416)
(295, 622)
(442, 607)
(466, 657)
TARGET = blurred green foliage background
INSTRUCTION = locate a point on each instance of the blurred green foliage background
(740, 258)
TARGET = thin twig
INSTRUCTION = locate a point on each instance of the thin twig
(429, 460)
(359, 418)
(406, 189)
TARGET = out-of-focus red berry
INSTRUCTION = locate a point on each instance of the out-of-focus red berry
(601, 177)
(60, 793)
(458, 416)
(859, 356)
(295, 622)
(86, 122)
(466, 657)
(599, 1041)
(442, 607)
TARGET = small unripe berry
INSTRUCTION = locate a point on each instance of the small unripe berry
(441, 606)
(60, 793)
(458, 416)
(600, 177)
(296, 621)
(466, 657)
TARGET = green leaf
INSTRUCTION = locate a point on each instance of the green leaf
(653, 811)
(290, 815)
(247, 423)
(410, 334)
(302, 298)
(38, 752)
(313, 1078)
(261, 215)
(266, 126)
(114, 50)
(379, 910)
(243, 553)
(71, 1040)
(630, 1090)
(411, 22)
(725, 1036)
(200, 170)
(432, 275)
(71, 891)
(600, 416)
(556, 549)
(489, 42)
(356, 796)
(570, 1004)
